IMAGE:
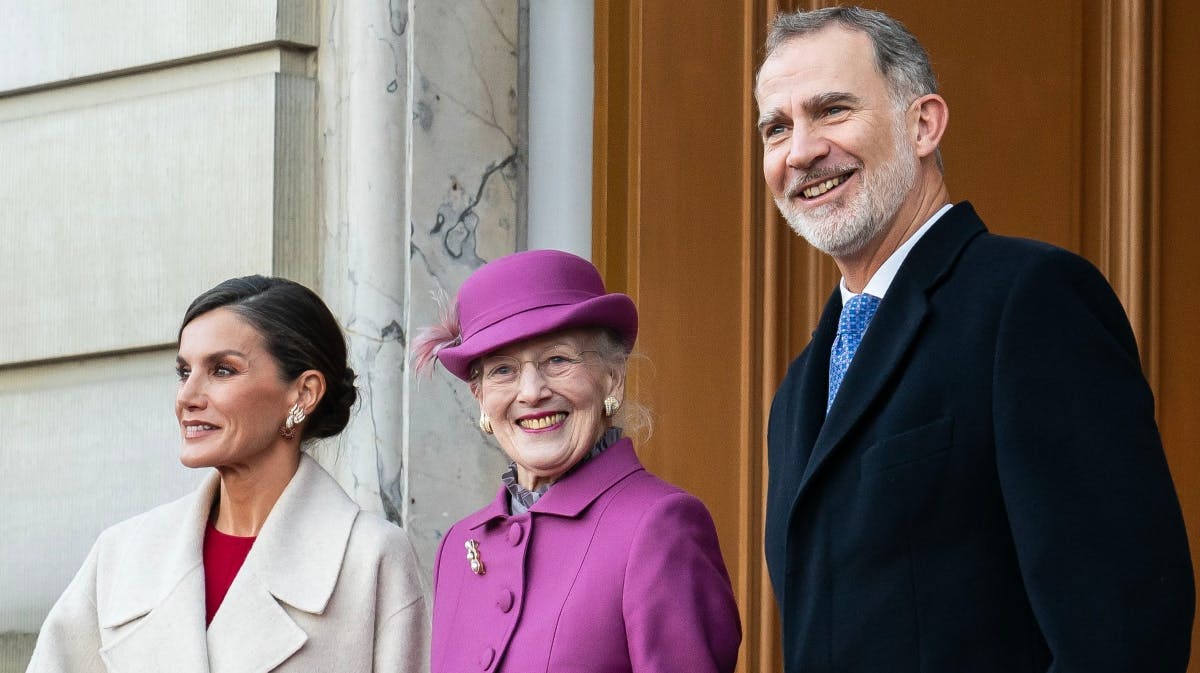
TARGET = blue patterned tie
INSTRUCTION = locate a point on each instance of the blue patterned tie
(856, 315)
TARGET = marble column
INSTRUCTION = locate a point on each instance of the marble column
(467, 171)
(363, 115)
(423, 180)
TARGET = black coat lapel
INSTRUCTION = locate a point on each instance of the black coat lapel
(890, 336)
(813, 389)
(887, 339)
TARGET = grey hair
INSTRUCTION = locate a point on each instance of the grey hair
(634, 418)
(900, 58)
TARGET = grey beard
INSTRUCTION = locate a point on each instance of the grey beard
(844, 228)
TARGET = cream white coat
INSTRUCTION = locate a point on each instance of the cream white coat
(326, 587)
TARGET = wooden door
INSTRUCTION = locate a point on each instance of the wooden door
(1070, 122)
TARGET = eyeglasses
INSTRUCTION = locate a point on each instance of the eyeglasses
(554, 363)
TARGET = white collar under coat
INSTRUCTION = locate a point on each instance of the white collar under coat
(156, 573)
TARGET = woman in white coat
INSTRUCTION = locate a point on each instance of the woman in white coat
(268, 566)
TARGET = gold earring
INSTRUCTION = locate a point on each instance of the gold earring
(485, 423)
(294, 418)
(611, 406)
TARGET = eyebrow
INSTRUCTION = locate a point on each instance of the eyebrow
(213, 357)
(824, 100)
(811, 105)
(769, 117)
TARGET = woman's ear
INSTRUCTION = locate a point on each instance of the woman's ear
(616, 382)
(310, 389)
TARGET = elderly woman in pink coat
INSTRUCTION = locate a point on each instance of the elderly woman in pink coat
(584, 561)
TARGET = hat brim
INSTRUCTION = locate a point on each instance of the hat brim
(614, 311)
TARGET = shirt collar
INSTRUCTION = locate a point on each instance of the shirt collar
(882, 280)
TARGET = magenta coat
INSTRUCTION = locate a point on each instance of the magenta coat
(612, 570)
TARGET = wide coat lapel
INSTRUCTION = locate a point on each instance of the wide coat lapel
(157, 580)
(295, 561)
(892, 331)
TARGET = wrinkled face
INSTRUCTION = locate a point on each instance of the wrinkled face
(836, 153)
(231, 399)
(545, 397)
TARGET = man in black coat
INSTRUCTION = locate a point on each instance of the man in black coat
(965, 471)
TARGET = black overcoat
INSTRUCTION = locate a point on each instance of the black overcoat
(989, 491)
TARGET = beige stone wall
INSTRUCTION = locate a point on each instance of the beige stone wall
(150, 149)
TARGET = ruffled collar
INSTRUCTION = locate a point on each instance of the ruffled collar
(520, 499)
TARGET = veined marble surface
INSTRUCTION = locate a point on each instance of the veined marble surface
(423, 181)
(467, 207)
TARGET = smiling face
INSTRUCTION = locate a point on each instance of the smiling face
(231, 399)
(836, 153)
(547, 418)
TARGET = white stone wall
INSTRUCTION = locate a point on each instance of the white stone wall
(150, 149)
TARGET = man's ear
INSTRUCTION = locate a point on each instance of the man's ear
(932, 116)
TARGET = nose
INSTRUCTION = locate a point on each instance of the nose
(806, 147)
(531, 385)
(190, 394)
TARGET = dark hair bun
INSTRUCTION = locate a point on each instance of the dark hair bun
(333, 413)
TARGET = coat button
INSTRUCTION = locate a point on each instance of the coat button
(486, 657)
(515, 533)
(505, 600)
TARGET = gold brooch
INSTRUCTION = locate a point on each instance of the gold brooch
(473, 558)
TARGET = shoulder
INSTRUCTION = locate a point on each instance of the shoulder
(375, 541)
(372, 531)
(1019, 274)
(149, 528)
(668, 531)
(645, 501)
(960, 247)
(135, 562)
(644, 486)
(1039, 277)
(1035, 261)
(1010, 256)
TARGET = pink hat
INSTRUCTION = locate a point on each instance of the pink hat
(529, 294)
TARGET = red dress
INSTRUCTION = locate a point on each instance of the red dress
(223, 557)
